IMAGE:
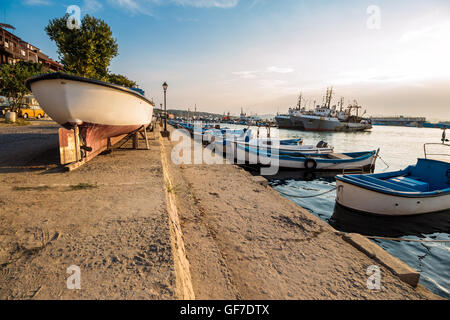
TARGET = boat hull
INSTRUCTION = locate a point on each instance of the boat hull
(94, 110)
(365, 161)
(369, 201)
(73, 102)
(316, 123)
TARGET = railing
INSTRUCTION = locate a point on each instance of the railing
(435, 154)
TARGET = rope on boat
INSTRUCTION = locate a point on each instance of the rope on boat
(407, 240)
(303, 197)
(385, 163)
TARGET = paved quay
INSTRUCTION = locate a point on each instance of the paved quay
(140, 227)
(244, 241)
(109, 218)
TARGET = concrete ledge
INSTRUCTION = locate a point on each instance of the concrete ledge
(395, 265)
(260, 180)
(185, 289)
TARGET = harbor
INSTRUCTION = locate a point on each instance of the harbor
(159, 153)
(245, 244)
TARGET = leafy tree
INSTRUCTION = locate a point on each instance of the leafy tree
(12, 81)
(86, 51)
(121, 80)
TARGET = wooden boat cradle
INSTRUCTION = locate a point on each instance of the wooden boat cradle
(74, 154)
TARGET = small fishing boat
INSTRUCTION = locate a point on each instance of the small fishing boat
(95, 110)
(329, 161)
(283, 146)
(422, 188)
(418, 189)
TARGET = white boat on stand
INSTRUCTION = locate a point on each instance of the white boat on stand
(94, 114)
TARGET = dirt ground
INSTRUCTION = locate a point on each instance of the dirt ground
(109, 218)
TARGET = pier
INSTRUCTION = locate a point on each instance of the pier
(140, 227)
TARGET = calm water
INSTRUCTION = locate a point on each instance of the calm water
(399, 147)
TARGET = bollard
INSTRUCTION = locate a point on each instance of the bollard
(11, 117)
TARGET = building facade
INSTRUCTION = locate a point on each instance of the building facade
(13, 49)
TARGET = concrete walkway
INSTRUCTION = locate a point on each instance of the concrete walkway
(109, 218)
(244, 241)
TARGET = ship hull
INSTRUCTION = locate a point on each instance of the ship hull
(289, 122)
(316, 123)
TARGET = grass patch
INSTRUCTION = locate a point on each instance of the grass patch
(19, 122)
(38, 188)
(83, 186)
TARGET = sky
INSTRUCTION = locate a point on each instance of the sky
(392, 56)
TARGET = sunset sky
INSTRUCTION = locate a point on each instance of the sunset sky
(259, 54)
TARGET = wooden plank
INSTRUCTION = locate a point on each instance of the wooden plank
(68, 151)
(339, 156)
(75, 165)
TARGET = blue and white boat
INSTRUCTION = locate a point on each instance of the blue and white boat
(283, 146)
(418, 189)
(308, 160)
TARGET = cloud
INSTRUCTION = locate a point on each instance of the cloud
(437, 31)
(91, 6)
(247, 74)
(279, 70)
(37, 2)
(261, 73)
(255, 3)
(179, 19)
(207, 3)
(147, 6)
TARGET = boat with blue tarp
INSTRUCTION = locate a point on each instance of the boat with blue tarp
(418, 189)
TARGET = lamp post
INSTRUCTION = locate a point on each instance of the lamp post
(165, 132)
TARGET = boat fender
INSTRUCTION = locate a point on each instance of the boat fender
(310, 164)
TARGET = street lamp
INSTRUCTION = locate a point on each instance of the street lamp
(165, 133)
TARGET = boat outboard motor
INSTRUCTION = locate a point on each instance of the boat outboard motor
(444, 138)
(322, 144)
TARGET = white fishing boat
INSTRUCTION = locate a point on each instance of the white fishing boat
(305, 159)
(223, 139)
(418, 189)
(97, 109)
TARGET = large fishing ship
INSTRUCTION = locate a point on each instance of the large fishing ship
(290, 120)
(330, 118)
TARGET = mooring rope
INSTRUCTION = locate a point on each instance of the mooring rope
(385, 163)
(407, 240)
(400, 239)
(303, 197)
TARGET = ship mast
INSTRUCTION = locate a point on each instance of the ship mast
(341, 104)
(328, 97)
(299, 103)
